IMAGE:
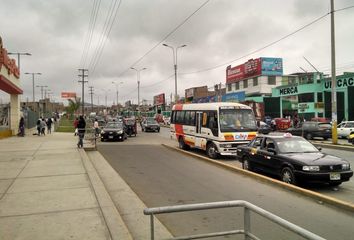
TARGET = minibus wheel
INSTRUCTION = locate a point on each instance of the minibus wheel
(212, 151)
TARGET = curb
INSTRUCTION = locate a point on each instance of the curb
(308, 193)
(337, 146)
(115, 225)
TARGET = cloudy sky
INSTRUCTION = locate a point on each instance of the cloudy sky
(65, 35)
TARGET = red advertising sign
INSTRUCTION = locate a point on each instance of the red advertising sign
(253, 67)
(159, 99)
(68, 95)
(234, 74)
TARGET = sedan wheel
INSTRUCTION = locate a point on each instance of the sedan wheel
(308, 136)
(246, 164)
(212, 151)
(287, 175)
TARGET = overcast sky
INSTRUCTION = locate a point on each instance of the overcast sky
(219, 34)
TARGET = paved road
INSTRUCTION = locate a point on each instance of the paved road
(343, 192)
(163, 177)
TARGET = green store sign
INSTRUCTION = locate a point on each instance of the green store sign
(341, 83)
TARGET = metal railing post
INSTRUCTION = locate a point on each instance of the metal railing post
(152, 227)
(246, 222)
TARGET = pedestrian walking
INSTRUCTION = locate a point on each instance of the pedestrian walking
(21, 128)
(42, 126)
(95, 126)
(38, 125)
(49, 125)
(81, 131)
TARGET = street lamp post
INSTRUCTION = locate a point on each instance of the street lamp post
(117, 84)
(18, 57)
(33, 73)
(174, 51)
(138, 78)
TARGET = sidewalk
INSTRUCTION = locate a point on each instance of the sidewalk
(50, 190)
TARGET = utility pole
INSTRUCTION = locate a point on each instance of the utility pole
(91, 93)
(42, 90)
(333, 79)
(82, 81)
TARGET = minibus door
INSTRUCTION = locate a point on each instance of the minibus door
(198, 130)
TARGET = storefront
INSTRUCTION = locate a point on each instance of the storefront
(9, 83)
(314, 99)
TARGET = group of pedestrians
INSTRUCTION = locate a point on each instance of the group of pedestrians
(42, 124)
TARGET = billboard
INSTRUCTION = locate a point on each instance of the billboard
(234, 97)
(234, 74)
(272, 66)
(159, 99)
(68, 95)
(253, 67)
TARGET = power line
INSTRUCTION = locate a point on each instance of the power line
(260, 49)
(154, 84)
(169, 34)
(109, 25)
(90, 30)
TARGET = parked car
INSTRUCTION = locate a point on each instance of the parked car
(320, 119)
(150, 124)
(264, 128)
(293, 159)
(345, 128)
(113, 131)
(309, 130)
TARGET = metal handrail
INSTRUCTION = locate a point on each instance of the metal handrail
(248, 207)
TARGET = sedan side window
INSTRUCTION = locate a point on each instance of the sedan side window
(257, 143)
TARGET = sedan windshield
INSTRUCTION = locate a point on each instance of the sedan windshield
(233, 120)
(151, 121)
(295, 145)
(114, 125)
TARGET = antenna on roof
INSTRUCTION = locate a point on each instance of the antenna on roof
(303, 69)
(311, 65)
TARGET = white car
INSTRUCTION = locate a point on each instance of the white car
(345, 128)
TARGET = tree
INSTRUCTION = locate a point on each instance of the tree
(74, 105)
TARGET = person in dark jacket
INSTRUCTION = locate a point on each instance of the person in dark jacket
(49, 125)
(81, 131)
(21, 127)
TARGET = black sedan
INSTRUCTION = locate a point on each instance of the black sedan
(150, 124)
(113, 131)
(293, 159)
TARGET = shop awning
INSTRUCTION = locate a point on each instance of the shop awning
(7, 86)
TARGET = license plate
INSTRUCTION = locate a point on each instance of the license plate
(110, 137)
(334, 176)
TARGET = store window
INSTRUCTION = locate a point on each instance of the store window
(306, 97)
(319, 97)
(255, 81)
(292, 80)
(271, 80)
(245, 83)
(237, 86)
